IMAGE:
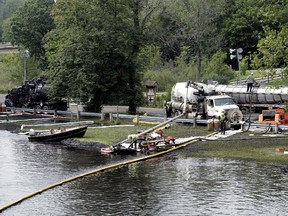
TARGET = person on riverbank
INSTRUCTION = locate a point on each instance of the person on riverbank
(223, 119)
(250, 81)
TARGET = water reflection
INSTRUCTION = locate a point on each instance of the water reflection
(176, 184)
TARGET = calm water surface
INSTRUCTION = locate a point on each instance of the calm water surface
(175, 184)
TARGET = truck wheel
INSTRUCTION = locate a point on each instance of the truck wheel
(8, 103)
(38, 106)
(235, 115)
(45, 107)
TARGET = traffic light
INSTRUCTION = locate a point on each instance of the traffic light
(236, 53)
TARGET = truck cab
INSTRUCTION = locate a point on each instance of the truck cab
(218, 104)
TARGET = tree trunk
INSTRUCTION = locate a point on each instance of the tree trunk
(132, 69)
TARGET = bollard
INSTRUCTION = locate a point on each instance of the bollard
(34, 111)
(78, 115)
(276, 128)
(137, 119)
(194, 122)
(102, 116)
(165, 116)
(111, 117)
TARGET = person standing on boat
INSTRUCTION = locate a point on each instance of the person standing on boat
(223, 119)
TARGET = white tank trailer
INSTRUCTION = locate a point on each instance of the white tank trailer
(202, 101)
(261, 98)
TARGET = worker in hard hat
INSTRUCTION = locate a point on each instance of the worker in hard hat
(250, 81)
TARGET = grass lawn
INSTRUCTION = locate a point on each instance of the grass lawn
(257, 148)
(110, 136)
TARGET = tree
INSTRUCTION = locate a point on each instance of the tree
(95, 49)
(245, 21)
(30, 24)
(217, 70)
(202, 35)
(7, 9)
(189, 23)
(272, 52)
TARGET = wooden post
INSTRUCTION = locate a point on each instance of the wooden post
(194, 122)
(165, 115)
(78, 115)
(102, 116)
(34, 111)
(111, 117)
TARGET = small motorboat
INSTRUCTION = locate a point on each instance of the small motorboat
(106, 151)
(57, 135)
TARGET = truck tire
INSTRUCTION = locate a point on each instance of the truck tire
(235, 115)
(45, 107)
(8, 103)
(38, 106)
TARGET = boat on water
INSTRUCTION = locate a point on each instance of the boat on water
(57, 135)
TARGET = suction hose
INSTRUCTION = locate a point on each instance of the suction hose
(250, 105)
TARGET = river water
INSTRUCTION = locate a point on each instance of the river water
(174, 184)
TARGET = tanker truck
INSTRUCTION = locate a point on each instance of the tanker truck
(261, 97)
(201, 101)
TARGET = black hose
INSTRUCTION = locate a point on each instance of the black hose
(268, 129)
(250, 105)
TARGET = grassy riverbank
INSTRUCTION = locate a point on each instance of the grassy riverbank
(110, 136)
(243, 146)
(246, 146)
(253, 146)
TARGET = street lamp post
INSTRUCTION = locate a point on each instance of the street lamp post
(24, 54)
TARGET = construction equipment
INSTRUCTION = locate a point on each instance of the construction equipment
(33, 94)
(199, 100)
(274, 116)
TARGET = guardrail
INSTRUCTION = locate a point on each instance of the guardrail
(7, 48)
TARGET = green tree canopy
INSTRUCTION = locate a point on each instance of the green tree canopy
(7, 9)
(94, 49)
(30, 24)
(217, 70)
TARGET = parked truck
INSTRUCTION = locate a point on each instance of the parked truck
(202, 101)
(261, 98)
(33, 94)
